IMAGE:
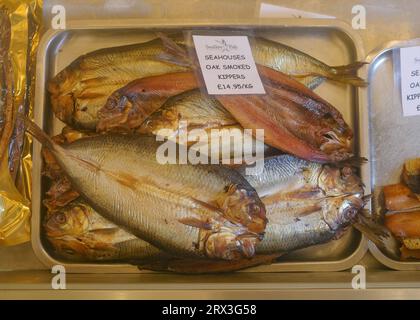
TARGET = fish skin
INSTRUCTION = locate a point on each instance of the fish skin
(89, 249)
(193, 106)
(294, 119)
(306, 203)
(225, 221)
(78, 233)
(83, 87)
(129, 106)
(301, 200)
(305, 68)
(203, 112)
(61, 192)
(325, 220)
(287, 173)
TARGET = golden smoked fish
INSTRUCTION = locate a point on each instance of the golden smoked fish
(306, 203)
(82, 88)
(79, 233)
(305, 68)
(212, 210)
(199, 121)
(128, 107)
(294, 118)
(275, 55)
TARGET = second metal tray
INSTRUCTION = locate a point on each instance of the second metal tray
(329, 40)
(394, 138)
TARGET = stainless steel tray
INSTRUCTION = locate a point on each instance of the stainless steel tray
(329, 40)
(394, 138)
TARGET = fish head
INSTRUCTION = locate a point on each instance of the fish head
(71, 220)
(61, 89)
(69, 103)
(336, 181)
(228, 245)
(336, 142)
(340, 212)
(241, 204)
(85, 113)
(115, 112)
(164, 123)
(83, 249)
(70, 248)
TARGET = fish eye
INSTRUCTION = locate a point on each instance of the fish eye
(69, 251)
(346, 172)
(351, 212)
(328, 136)
(60, 218)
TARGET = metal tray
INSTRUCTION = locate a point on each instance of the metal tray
(329, 40)
(394, 138)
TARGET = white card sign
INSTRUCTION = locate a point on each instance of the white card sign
(410, 80)
(227, 65)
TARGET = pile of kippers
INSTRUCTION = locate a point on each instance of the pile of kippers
(111, 200)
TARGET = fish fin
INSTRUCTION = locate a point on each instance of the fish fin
(352, 162)
(303, 193)
(344, 74)
(38, 133)
(170, 58)
(206, 266)
(378, 234)
(197, 223)
(348, 74)
(174, 53)
(209, 206)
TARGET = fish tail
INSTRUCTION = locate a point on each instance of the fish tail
(38, 133)
(354, 161)
(174, 53)
(378, 234)
(348, 74)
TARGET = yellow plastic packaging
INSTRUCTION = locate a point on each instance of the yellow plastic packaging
(20, 25)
